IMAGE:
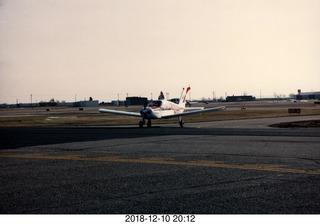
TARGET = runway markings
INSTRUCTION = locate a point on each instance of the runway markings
(167, 161)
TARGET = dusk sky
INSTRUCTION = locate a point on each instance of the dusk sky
(64, 49)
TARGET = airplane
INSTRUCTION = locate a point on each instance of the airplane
(163, 108)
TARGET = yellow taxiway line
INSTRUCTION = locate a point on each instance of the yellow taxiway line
(166, 161)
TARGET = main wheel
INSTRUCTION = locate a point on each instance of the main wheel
(141, 123)
(149, 123)
(181, 123)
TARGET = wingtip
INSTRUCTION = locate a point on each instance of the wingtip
(101, 110)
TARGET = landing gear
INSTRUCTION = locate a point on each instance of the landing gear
(149, 123)
(141, 123)
(181, 122)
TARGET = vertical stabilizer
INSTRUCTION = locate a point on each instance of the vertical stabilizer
(183, 97)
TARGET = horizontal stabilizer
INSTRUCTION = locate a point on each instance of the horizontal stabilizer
(195, 112)
(193, 108)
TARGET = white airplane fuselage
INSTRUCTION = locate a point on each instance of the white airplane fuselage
(160, 108)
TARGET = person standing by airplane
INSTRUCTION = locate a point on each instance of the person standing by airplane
(161, 97)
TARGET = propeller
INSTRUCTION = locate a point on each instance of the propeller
(145, 111)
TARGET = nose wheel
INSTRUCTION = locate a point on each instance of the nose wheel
(141, 123)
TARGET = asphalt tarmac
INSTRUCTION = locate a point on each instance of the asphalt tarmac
(239, 167)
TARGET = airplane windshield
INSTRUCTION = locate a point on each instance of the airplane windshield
(157, 103)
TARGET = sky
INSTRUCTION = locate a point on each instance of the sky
(75, 49)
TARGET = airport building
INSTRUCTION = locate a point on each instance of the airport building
(136, 101)
(87, 103)
(118, 103)
(308, 95)
(48, 104)
(240, 98)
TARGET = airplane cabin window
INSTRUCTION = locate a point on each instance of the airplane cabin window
(157, 103)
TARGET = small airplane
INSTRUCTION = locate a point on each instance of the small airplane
(163, 108)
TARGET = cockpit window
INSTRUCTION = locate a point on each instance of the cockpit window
(156, 103)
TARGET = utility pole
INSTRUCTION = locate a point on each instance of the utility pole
(260, 94)
(31, 100)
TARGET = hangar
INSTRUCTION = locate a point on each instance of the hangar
(87, 103)
(308, 95)
(136, 101)
(240, 98)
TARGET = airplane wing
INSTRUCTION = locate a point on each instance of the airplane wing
(195, 112)
(119, 112)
